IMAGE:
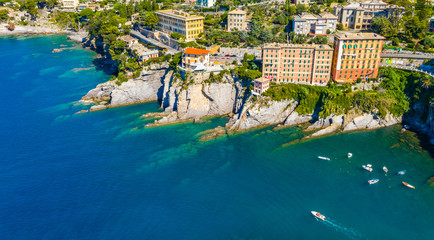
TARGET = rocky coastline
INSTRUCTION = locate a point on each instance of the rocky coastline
(33, 30)
(194, 98)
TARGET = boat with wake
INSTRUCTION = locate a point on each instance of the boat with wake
(401, 172)
(324, 158)
(408, 185)
(373, 181)
(368, 167)
(318, 215)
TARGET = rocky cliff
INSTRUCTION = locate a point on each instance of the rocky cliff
(284, 113)
(143, 89)
(194, 97)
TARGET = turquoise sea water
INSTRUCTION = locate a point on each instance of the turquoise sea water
(102, 175)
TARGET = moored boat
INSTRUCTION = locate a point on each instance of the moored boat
(318, 215)
(324, 158)
(385, 169)
(408, 185)
(350, 155)
(401, 172)
(368, 167)
(373, 181)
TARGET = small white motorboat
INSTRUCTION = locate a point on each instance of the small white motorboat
(401, 172)
(318, 215)
(385, 169)
(368, 167)
(324, 158)
(373, 181)
(408, 185)
(350, 155)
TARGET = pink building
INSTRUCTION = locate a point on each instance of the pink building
(297, 63)
(260, 85)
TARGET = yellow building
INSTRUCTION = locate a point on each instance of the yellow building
(181, 22)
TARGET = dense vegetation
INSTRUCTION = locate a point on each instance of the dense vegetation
(410, 31)
(396, 94)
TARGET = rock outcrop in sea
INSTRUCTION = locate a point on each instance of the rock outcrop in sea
(195, 96)
(143, 89)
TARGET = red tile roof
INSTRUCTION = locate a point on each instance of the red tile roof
(195, 51)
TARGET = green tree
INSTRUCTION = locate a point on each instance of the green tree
(314, 9)
(320, 40)
(266, 35)
(176, 59)
(4, 15)
(300, 8)
(428, 41)
(414, 28)
(384, 27)
(150, 20)
(29, 6)
(117, 47)
(3, 2)
(423, 9)
(86, 13)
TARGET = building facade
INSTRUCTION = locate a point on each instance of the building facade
(206, 3)
(149, 54)
(358, 15)
(237, 20)
(297, 63)
(129, 41)
(260, 85)
(307, 23)
(356, 56)
(177, 21)
(195, 59)
(70, 4)
(305, 2)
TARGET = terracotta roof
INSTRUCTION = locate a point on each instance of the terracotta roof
(195, 51)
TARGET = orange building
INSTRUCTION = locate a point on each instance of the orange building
(297, 63)
(356, 55)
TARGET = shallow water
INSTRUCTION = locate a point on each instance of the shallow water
(102, 175)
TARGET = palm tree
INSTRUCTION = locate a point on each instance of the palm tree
(427, 82)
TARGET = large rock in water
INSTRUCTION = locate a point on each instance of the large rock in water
(371, 121)
(133, 91)
(262, 113)
(198, 99)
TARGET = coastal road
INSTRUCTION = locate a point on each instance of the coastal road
(406, 54)
(153, 42)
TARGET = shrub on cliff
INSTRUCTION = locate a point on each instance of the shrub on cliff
(176, 59)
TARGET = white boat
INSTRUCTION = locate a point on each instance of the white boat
(318, 215)
(401, 172)
(373, 181)
(408, 185)
(368, 167)
(385, 169)
(324, 158)
(350, 155)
